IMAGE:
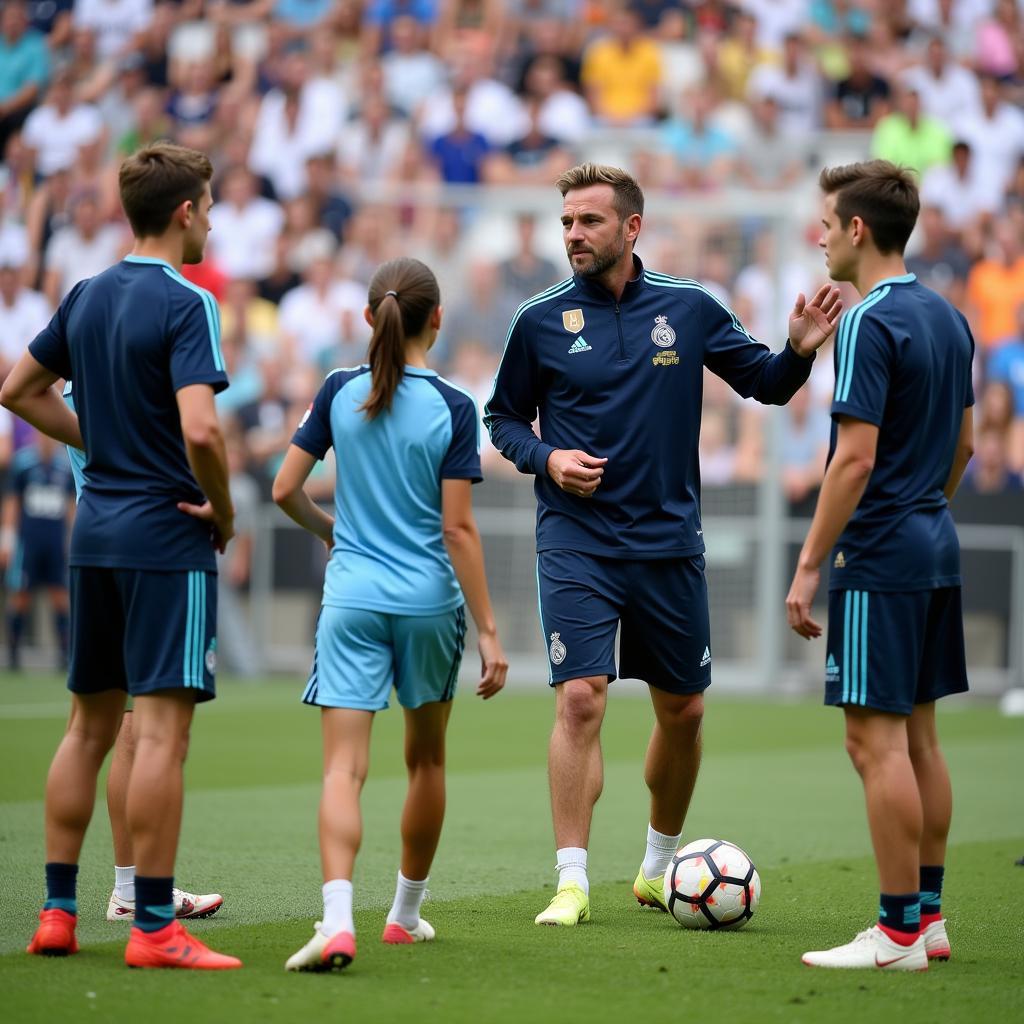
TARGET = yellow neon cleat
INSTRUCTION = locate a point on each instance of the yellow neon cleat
(649, 892)
(569, 906)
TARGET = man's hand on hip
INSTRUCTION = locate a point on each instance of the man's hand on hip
(575, 472)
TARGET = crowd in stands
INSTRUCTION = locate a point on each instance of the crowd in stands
(343, 133)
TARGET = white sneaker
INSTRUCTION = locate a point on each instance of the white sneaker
(398, 935)
(872, 949)
(324, 952)
(186, 905)
(936, 942)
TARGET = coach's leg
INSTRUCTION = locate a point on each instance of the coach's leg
(71, 782)
(877, 743)
(346, 739)
(575, 770)
(673, 757)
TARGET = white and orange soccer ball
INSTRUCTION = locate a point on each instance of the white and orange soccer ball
(710, 883)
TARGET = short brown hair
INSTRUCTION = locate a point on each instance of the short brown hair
(883, 195)
(627, 198)
(156, 180)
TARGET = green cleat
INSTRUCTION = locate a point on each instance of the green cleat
(569, 906)
(649, 892)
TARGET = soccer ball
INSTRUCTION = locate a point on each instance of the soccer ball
(710, 883)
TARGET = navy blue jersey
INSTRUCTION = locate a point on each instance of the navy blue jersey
(624, 381)
(389, 553)
(129, 339)
(44, 489)
(903, 363)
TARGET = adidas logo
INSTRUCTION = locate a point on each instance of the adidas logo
(840, 562)
(706, 660)
(831, 669)
(579, 345)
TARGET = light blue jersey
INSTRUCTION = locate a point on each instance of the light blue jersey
(76, 455)
(389, 553)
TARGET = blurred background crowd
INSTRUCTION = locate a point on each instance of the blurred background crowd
(343, 133)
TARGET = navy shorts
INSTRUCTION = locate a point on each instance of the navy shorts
(36, 564)
(890, 651)
(662, 605)
(143, 631)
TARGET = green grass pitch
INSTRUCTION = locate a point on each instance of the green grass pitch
(775, 780)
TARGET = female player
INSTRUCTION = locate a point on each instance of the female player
(402, 541)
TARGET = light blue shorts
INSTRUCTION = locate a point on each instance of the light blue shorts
(359, 655)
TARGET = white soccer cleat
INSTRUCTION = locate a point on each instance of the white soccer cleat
(324, 952)
(872, 949)
(186, 905)
(397, 935)
(936, 942)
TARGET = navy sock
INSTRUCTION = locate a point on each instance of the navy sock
(931, 888)
(901, 913)
(154, 902)
(60, 887)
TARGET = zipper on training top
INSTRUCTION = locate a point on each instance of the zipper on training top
(618, 324)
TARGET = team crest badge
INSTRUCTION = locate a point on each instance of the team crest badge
(556, 650)
(662, 335)
(211, 657)
(572, 320)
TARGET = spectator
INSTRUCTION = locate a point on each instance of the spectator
(997, 42)
(115, 23)
(766, 159)
(732, 58)
(379, 17)
(1006, 369)
(534, 159)
(989, 471)
(472, 367)
(717, 453)
(948, 90)
(55, 130)
(764, 290)
(622, 73)
(958, 190)
(995, 286)
(23, 312)
(243, 226)
(805, 434)
(941, 263)
(84, 248)
(331, 209)
(795, 86)
(24, 68)
(777, 20)
(479, 313)
(460, 153)
(698, 153)
(252, 319)
(411, 71)
(563, 114)
(525, 273)
(862, 96)
(372, 144)
(909, 137)
(995, 134)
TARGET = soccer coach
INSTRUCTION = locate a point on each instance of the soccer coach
(612, 358)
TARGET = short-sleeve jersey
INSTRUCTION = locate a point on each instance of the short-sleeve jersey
(389, 553)
(43, 486)
(129, 339)
(903, 362)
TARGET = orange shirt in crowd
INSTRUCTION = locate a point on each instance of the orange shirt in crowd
(996, 292)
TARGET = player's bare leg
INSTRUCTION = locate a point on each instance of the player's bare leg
(937, 806)
(422, 818)
(576, 778)
(878, 747)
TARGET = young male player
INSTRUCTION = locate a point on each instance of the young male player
(901, 437)
(141, 346)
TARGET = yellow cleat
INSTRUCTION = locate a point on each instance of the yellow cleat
(649, 892)
(569, 906)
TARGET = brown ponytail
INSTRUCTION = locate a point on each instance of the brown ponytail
(403, 294)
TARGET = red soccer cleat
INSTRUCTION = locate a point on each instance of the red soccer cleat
(55, 935)
(172, 946)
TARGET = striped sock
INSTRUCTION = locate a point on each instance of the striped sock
(899, 916)
(61, 880)
(154, 902)
(931, 893)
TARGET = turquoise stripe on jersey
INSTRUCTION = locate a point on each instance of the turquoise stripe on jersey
(863, 646)
(846, 648)
(663, 280)
(543, 630)
(843, 390)
(186, 667)
(841, 350)
(212, 315)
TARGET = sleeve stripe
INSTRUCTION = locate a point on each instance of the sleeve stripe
(664, 281)
(849, 354)
(212, 315)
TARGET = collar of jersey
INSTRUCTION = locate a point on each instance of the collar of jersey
(600, 294)
(420, 371)
(901, 279)
(152, 260)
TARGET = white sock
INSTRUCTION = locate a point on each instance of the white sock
(124, 883)
(405, 910)
(660, 849)
(338, 907)
(572, 867)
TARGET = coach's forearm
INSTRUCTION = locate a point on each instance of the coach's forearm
(467, 558)
(209, 462)
(783, 376)
(841, 491)
(517, 442)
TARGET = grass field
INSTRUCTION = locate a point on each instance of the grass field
(775, 780)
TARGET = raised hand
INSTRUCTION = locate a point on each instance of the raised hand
(811, 323)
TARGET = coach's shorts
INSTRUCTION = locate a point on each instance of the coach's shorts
(662, 605)
(37, 565)
(892, 651)
(143, 631)
(359, 655)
